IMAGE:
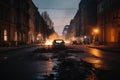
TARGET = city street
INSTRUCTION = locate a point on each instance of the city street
(59, 39)
(35, 63)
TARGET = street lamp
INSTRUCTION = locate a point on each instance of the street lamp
(95, 33)
(39, 36)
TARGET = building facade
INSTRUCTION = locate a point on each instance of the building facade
(14, 22)
(109, 21)
(32, 22)
(21, 23)
(65, 32)
(88, 13)
(47, 19)
(85, 20)
(49, 22)
(98, 21)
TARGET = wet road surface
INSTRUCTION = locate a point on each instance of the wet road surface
(57, 65)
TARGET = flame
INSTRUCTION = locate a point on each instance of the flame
(48, 42)
(51, 38)
(54, 36)
(67, 41)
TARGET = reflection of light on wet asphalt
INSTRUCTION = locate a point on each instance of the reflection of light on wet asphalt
(102, 67)
(42, 69)
(97, 63)
(93, 60)
(96, 53)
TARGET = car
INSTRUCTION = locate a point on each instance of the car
(58, 43)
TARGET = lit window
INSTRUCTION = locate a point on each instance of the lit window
(5, 35)
(20, 37)
(112, 35)
(15, 36)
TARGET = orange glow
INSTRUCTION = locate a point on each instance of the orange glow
(67, 41)
(5, 35)
(112, 35)
(97, 63)
(48, 42)
(95, 31)
(39, 35)
(96, 53)
(51, 38)
(93, 60)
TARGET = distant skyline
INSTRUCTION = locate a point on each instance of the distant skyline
(60, 11)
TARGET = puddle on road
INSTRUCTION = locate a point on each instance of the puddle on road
(97, 63)
(56, 70)
(69, 66)
(42, 69)
(51, 66)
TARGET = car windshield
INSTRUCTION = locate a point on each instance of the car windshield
(59, 39)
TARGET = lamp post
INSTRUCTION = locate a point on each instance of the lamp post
(39, 36)
(95, 35)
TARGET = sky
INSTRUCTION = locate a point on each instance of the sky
(60, 11)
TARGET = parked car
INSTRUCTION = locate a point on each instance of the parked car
(58, 43)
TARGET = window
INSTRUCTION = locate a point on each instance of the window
(5, 35)
(20, 36)
(15, 36)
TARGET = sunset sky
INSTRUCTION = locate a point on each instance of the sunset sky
(60, 11)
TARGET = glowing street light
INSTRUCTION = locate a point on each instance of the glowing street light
(95, 32)
(39, 35)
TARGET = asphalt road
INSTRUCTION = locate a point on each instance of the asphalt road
(26, 64)
(107, 63)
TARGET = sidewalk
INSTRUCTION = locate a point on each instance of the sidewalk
(5, 49)
(106, 48)
(101, 47)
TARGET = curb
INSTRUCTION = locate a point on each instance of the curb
(15, 48)
(106, 49)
